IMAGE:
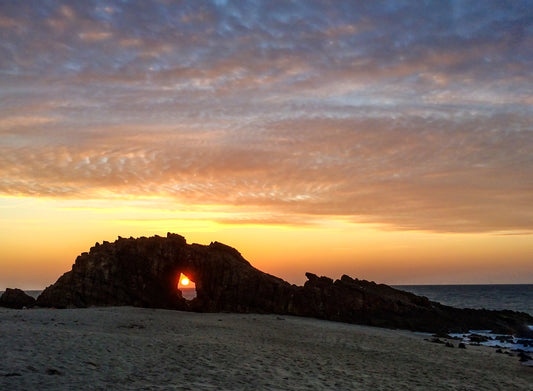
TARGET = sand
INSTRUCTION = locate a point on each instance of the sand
(126, 348)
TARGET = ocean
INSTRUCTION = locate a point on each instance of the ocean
(492, 297)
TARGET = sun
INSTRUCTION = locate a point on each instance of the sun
(184, 281)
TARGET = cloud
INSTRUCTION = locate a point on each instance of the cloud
(416, 116)
(94, 36)
(407, 176)
(18, 122)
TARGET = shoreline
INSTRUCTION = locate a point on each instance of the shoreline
(131, 348)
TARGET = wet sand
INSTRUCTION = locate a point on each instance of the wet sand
(126, 348)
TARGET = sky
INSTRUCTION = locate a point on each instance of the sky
(390, 141)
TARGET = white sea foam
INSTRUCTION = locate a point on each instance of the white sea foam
(499, 341)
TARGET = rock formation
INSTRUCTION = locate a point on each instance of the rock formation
(356, 301)
(144, 272)
(16, 298)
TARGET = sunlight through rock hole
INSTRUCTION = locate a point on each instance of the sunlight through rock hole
(186, 287)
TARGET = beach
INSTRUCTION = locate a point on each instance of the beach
(125, 348)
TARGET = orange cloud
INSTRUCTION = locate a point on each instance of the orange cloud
(440, 180)
(94, 36)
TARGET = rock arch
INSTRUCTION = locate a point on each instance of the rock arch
(143, 272)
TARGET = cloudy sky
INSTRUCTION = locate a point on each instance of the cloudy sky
(405, 126)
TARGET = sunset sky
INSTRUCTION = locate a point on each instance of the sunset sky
(390, 141)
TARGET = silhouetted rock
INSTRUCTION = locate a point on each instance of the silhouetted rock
(144, 272)
(476, 338)
(524, 357)
(505, 338)
(16, 298)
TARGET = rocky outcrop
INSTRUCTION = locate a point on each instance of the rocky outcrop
(356, 301)
(144, 272)
(16, 298)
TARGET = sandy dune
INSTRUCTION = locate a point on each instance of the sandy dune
(143, 349)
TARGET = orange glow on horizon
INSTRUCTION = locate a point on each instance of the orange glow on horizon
(39, 244)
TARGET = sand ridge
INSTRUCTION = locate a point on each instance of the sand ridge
(125, 348)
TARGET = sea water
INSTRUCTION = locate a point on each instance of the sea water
(491, 297)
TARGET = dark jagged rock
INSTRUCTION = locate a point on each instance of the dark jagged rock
(524, 357)
(476, 338)
(16, 298)
(144, 272)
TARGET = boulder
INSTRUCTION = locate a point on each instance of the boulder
(476, 338)
(16, 298)
(524, 357)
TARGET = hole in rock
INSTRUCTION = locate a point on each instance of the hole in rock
(186, 287)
